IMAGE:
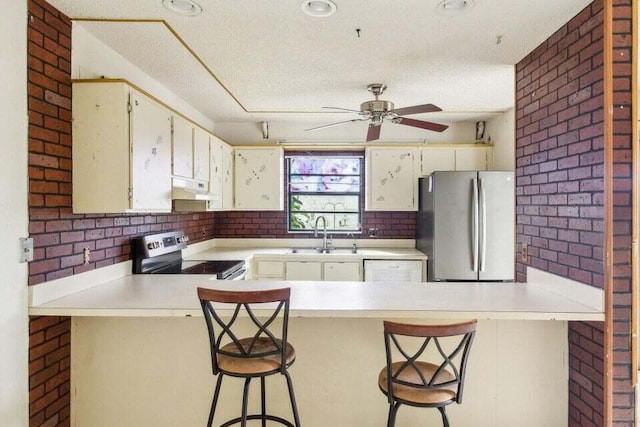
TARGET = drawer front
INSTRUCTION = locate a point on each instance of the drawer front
(270, 269)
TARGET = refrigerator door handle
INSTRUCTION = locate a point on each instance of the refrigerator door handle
(483, 225)
(475, 225)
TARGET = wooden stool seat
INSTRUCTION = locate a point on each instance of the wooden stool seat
(414, 393)
(254, 366)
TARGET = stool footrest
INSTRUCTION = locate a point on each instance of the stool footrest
(259, 417)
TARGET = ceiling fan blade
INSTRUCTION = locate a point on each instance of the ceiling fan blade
(344, 109)
(436, 127)
(374, 132)
(335, 124)
(417, 109)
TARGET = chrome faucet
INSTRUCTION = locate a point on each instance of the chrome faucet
(354, 247)
(324, 231)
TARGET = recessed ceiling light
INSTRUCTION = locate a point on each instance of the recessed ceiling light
(183, 7)
(318, 8)
(453, 7)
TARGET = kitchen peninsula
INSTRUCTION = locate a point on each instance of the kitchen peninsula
(140, 354)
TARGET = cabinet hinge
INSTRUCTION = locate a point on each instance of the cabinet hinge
(130, 193)
(129, 107)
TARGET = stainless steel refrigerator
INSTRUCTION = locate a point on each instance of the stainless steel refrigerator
(466, 225)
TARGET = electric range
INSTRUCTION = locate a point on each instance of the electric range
(161, 253)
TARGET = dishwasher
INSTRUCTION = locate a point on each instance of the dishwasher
(378, 270)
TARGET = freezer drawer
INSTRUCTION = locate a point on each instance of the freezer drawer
(393, 270)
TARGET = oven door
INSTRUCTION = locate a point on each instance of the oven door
(240, 274)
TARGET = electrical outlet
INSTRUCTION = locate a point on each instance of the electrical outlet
(26, 249)
(524, 253)
(86, 255)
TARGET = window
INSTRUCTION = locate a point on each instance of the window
(327, 186)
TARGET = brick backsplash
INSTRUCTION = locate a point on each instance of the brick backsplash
(273, 224)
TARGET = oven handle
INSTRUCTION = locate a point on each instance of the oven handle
(240, 274)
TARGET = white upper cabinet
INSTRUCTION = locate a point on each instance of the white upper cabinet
(150, 155)
(474, 158)
(227, 177)
(259, 180)
(201, 154)
(182, 143)
(215, 173)
(437, 159)
(391, 179)
(451, 158)
(121, 150)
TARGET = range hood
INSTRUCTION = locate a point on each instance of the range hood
(191, 189)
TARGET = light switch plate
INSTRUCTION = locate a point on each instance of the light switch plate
(26, 246)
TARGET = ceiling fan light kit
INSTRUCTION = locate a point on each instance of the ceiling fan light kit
(377, 110)
(318, 8)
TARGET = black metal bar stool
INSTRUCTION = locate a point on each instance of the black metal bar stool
(257, 356)
(416, 382)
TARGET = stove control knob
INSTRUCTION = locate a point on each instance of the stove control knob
(157, 245)
(150, 245)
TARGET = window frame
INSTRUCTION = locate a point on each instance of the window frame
(360, 195)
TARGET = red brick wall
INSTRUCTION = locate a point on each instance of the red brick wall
(59, 235)
(559, 151)
(560, 184)
(273, 224)
(622, 146)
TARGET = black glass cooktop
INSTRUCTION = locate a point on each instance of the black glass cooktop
(223, 269)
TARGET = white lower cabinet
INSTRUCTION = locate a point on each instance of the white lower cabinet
(342, 271)
(303, 270)
(393, 270)
(309, 270)
(270, 270)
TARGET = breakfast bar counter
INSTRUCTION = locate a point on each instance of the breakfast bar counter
(175, 295)
(140, 351)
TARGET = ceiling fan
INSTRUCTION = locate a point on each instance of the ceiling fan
(378, 110)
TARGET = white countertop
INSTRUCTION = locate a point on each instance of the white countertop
(175, 296)
(284, 253)
(113, 292)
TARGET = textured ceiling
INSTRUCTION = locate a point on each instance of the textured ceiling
(245, 61)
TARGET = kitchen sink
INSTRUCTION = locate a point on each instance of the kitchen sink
(323, 251)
